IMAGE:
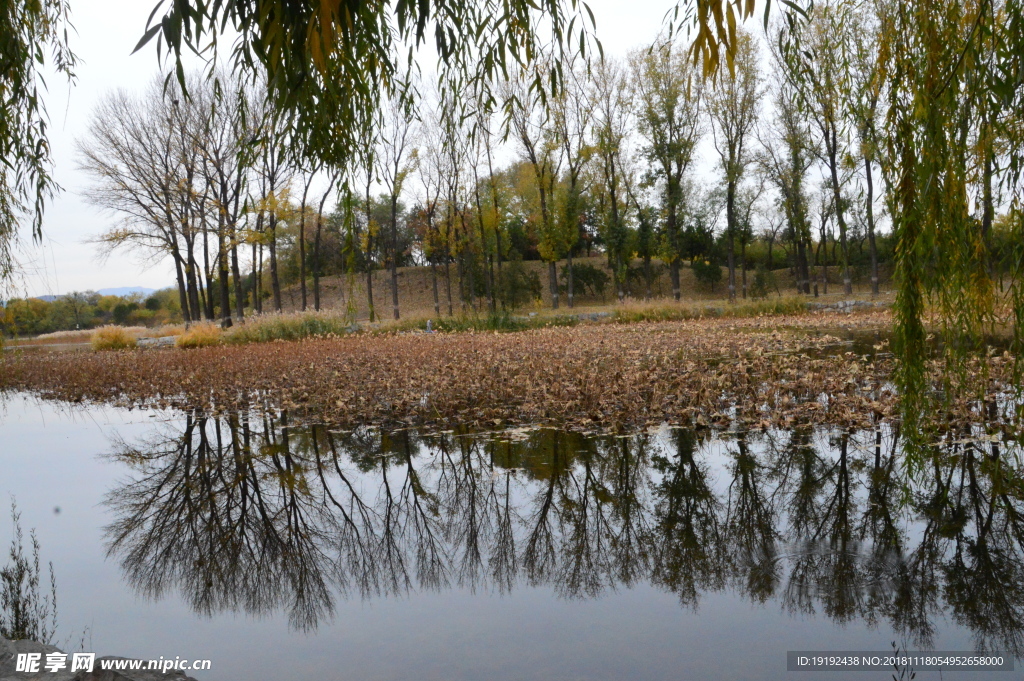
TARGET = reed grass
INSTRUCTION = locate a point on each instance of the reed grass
(199, 336)
(289, 327)
(112, 338)
(500, 321)
(631, 312)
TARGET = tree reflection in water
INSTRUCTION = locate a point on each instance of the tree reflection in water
(245, 513)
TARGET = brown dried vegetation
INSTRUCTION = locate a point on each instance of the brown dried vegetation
(781, 370)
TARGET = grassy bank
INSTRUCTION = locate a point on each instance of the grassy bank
(302, 325)
(299, 326)
(295, 326)
(662, 312)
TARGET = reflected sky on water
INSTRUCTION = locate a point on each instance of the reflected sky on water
(306, 552)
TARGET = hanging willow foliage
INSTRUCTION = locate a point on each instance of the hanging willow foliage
(330, 63)
(27, 31)
(952, 73)
(945, 92)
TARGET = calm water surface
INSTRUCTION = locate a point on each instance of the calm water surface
(289, 552)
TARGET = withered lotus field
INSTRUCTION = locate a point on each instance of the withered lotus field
(755, 372)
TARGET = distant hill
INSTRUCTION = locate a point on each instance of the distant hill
(126, 291)
(119, 291)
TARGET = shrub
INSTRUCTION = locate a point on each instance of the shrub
(112, 338)
(637, 282)
(26, 610)
(585, 276)
(776, 306)
(497, 321)
(199, 336)
(764, 282)
(502, 321)
(123, 310)
(632, 311)
(517, 285)
(707, 272)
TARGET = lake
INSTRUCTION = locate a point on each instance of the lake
(282, 550)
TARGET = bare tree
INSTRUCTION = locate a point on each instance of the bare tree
(609, 93)
(528, 120)
(274, 175)
(784, 161)
(733, 104)
(431, 173)
(572, 113)
(397, 161)
(227, 171)
(669, 96)
(143, 175)
(820, 72)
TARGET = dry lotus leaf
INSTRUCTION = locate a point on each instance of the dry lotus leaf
(756, 372)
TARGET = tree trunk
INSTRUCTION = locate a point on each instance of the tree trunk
(491, 284)
(471, 285)
(648, 275)
(671, 227)
(433, 278)
(987, 203)
(730, 222)
(369, 254)
(840, 218)
(462, 282)
(871, 226)
(823, 263)
(192, 280)
(394, 254)
(369, 292)
(743, 266)
(302, 251)
(316, 260)
(208, 273)
(275, 281)
(236, 277)
(204, 299)
(257, 278)
(488, 267)
(619, 289)
(225, 293)
(553, 284)
(569, 284)
(814, 269)
(802, 271)
(448, 283)
(179, 276)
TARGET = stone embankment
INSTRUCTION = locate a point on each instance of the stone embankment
(846, 306)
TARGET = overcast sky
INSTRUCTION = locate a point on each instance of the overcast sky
(107, 31)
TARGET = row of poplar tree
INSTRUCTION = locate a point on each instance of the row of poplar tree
(640, 158)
